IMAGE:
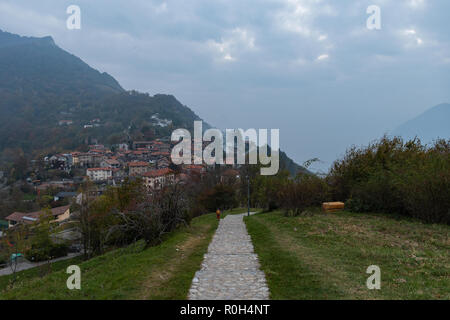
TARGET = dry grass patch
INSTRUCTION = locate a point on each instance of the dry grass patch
(332, 251)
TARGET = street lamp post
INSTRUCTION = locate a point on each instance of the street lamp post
(248, 196)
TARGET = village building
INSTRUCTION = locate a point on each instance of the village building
(194, 169)
(138, 168)
(143, 144)
(156, 179)
(64, 195)
(65, 122)
(163, 163)
(110, 163)
(230, 176)
(99, 174)
(122, 146)
(59, 214)
(87, 160)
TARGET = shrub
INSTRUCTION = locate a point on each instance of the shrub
(220, 196)
(424, 184)
(47, 253)
(59, 250)
(37, 255)
(307, 190)
(394, 176)
(161, 213)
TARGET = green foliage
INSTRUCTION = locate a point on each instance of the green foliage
(3, 258)
(52, 251)
(42, 246)
(394, 176)
(306, 190)
(221, 196)
(266, 190)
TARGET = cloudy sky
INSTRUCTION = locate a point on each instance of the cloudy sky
(311, 68)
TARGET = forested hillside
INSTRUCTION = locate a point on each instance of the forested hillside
(41, 85)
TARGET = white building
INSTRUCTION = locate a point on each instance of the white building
(99, 174)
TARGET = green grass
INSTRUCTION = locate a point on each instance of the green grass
(30, 274)
(29, 197)
(325, 256)
(238, 211)
(161, 272)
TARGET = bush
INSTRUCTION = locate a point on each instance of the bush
(306, 191)
(394, 176)
(37, 255)
(424, 184)
(221, 196)
(162, 212)
(59, 250)
(3, 259)
(43, 254)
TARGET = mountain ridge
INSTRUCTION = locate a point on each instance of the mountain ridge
(9, 39)
(428, 126)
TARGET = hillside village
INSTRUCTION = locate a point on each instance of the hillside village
(149, 161)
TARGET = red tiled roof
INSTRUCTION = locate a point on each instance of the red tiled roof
(157, 173)
(231, 172)
(15, 216)
(194, 166)
(138, 164)
(112, 161)
(160, 153)
(18, 216)
(59, 210)
(99, 169)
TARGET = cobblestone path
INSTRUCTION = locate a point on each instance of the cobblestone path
(230, 268)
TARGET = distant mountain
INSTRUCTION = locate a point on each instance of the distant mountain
(52, 101)
(430, 125)
(37, 66)
(290, 165)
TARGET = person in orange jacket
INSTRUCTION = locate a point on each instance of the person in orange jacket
(218, 214)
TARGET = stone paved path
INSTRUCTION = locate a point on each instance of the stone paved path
(230, 269)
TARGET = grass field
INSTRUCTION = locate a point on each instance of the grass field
(325, 256)
(161, 272)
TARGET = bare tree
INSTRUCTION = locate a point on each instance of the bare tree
(161, 212)
(84, 218)
(16, 244)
